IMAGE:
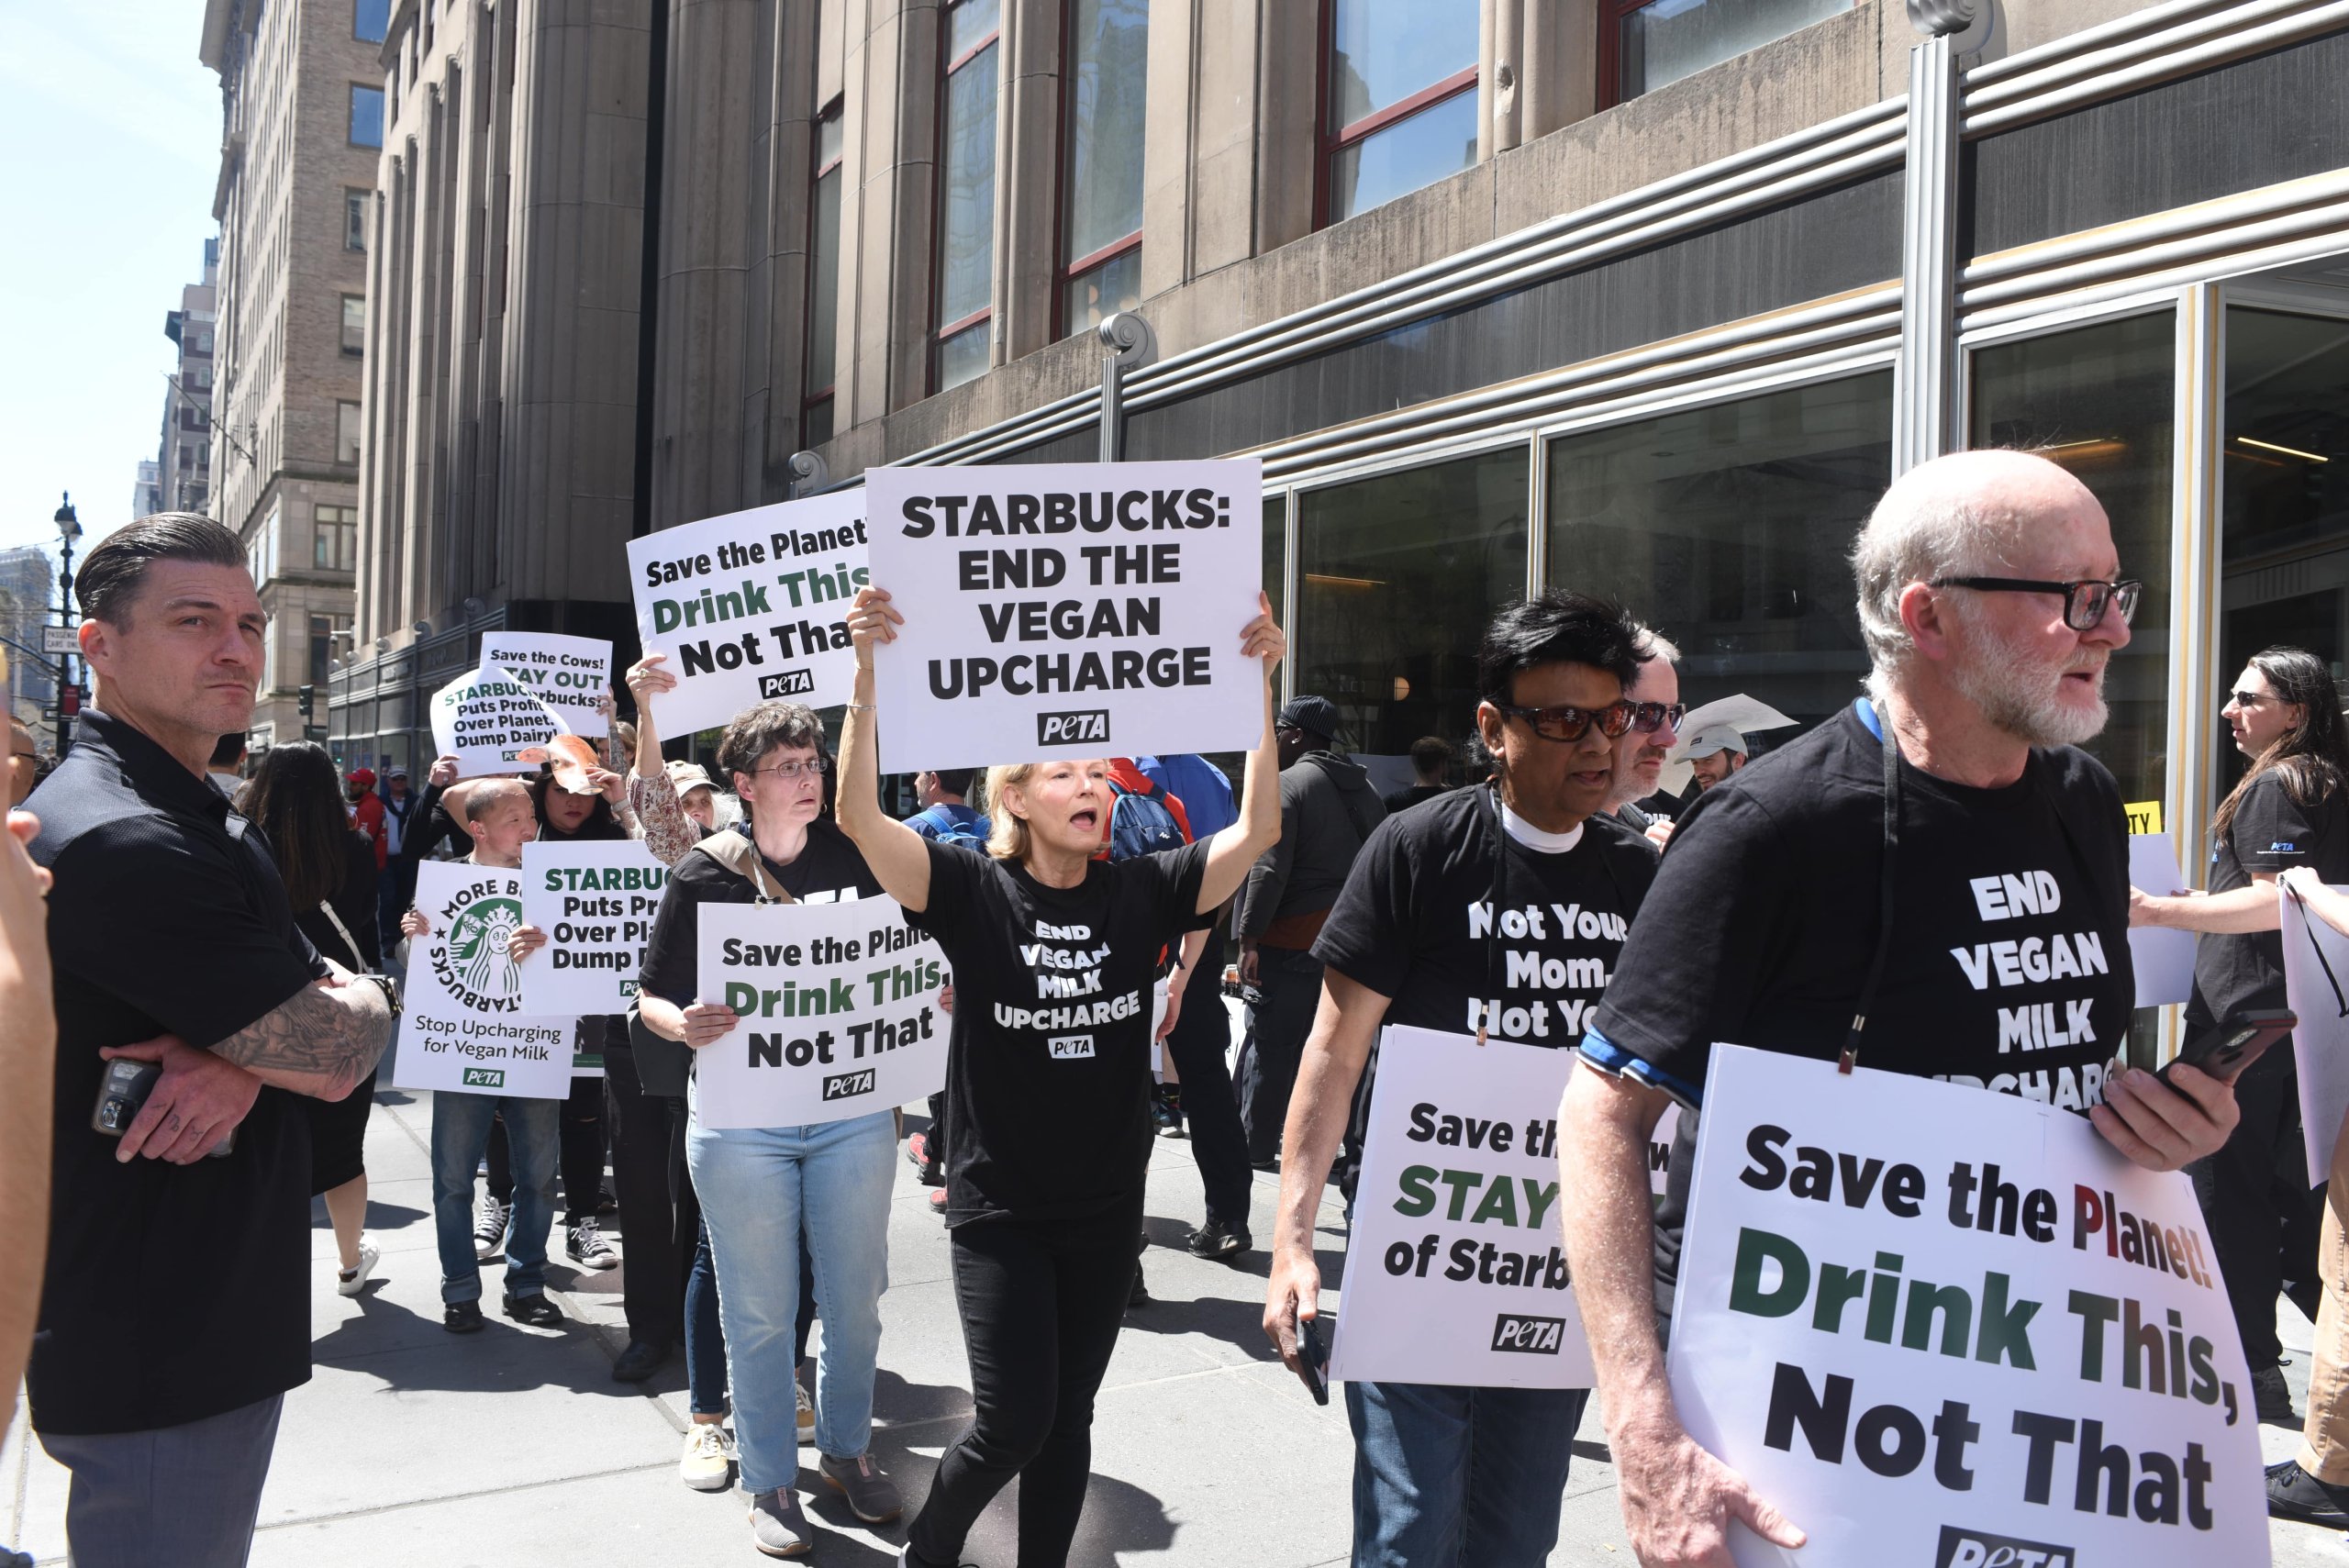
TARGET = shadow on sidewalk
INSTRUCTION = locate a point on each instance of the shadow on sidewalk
(409, 1353)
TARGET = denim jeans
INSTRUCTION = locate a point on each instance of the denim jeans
(1459, 1477)
(460, 1137)
(762, 1190)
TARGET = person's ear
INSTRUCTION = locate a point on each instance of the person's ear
(1490, 724)
(1926, 616)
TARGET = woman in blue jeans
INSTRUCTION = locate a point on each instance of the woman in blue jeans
(1048, 1083)
(763, 1190)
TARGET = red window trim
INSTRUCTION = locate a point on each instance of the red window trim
(1109, 252)
(1610, 48)
(951, 328)
(971, 53)
(1427, 97)
(1329, 143)
(938, 199)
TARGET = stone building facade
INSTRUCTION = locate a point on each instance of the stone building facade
(183, 465)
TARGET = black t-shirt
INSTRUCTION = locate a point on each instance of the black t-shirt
(1048, 1064)
(828, 869)
(1458, 924)
(2270, 831)
(1402, 800)
(175, 1292)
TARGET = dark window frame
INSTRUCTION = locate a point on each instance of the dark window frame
(1329, 143)
(383, 113)
(1067, 272)
(342, 325)
(811, 397)
(942, 331)
(356, 199)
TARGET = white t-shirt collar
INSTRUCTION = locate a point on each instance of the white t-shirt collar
(1534, 838)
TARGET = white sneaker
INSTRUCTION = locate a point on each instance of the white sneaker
(806, 1408)
(351, 1282)
(706, 1466)
(489, 1231)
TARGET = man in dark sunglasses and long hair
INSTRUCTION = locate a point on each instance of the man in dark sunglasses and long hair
(1990, 596)
(1416, 936)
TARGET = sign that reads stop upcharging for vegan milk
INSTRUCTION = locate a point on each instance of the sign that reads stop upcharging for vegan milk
(570, 674)
(463, 1030)
(839, 1012)
(488, 721)
(751, 606)
(1069, 610)
(1454, 1274)
(596, 902)
(1941, 1326)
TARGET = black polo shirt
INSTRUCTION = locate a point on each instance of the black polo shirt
(175, 1292)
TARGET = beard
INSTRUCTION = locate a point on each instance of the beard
(2024, 696)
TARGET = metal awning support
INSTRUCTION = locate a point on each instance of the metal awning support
(1131, 345)
(1924, 379)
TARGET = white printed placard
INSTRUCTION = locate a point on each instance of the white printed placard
(751, 606)
(2316, 971)
(1660, 1141)
(839, 1012)
(463, 1030)
(492, 724)
(1454, 1271)
(595, 902)
(2163, 958)
(1067, 609)
(571, 676)
(1937, 1325)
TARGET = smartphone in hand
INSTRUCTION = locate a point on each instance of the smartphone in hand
(1314, 1358)
(2226, 1049)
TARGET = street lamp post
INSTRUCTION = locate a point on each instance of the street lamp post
(69, 529)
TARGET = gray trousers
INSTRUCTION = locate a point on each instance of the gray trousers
(187, 1496)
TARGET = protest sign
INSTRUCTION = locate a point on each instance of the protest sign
(1079, 609)
(2316, 967)
(596, 902)
(1454, 1271)
(1667, 1126)
(1934, 1325)
(491, 723)
(463, 1030)
(751, 606)
(838, 1008)
(2164, 958)
(571, 676)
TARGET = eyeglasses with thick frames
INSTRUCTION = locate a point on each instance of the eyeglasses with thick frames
(1573, 723)
(2084, 601)
(1647, 718)
(815, 768)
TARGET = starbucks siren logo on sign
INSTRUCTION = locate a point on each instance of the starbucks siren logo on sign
(469, 953)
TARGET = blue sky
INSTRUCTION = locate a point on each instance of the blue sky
(113, 132)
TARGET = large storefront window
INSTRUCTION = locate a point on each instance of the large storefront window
(1728, 529)
(2100, 400)
(1398, 575)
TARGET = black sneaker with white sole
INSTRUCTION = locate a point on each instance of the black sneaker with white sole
(587, 1247)
(2294, 1494)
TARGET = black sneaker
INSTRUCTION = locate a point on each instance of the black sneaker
(1220, 1242)
(2272, 1397)
(462, 1317)
(533, 1310)
(1167, 1109)
(640, 1361)
(2294, 1494)
(1140, 1294)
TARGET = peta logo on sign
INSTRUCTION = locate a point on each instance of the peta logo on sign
(848, 1085)
(1975, 1549)
(484, 1078)
(1069, 1047)
(787, 683)
(1072, 728)
(1529, 1336)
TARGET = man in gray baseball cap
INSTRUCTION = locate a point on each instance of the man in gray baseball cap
(1713, 754)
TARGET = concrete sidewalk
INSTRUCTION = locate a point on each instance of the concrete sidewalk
(515, 1447)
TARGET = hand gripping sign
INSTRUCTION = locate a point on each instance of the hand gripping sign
(596, 902)
(1940, 1326)
(1072, 610)
(492, 723)
(1455, 1272)
(839, 1013)
(463, 1030)
(573, 676)
(749, 606)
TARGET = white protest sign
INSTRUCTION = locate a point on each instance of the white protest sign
(751, 606)
(838, 1008)
(487, 720)
(2164, 958)
(1454, 1274)
(463, 1030)
(1081, 609)
(570, 674)
(595, 902)
(1667, 1128)
(1940, 1326)
(2321, 1040)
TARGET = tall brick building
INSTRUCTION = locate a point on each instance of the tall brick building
(302, 108)
(183, 456)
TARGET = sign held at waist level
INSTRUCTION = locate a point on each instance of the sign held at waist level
(463, 1030)
(595, 902)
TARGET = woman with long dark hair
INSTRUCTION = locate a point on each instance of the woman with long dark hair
(295, 798)
(2292, 808)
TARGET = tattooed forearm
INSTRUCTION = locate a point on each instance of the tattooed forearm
(321, 1042)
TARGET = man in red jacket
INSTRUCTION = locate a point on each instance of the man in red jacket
(367, 810)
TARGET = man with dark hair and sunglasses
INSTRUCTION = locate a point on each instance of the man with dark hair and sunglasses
(1990, 601)
(1414, 939)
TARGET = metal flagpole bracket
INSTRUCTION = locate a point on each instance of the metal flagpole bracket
(809, 473)
(1131, 344)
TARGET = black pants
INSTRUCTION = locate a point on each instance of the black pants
(660, 1241)
(1040, 1304)
(2256, 1202)
(1291, 983)
(1202, 1031)
(582, 1152)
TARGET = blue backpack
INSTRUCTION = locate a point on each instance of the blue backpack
(1140, 822)
(942, 823)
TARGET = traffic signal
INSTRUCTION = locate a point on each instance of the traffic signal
(69, 701)
(306, 698)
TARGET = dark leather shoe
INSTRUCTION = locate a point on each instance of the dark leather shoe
(2294, 1494)
(462, 1317)
(534, 1311)
(640, 1361)
(1219, 1242)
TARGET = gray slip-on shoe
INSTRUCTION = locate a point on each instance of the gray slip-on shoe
(779, 1526)
(872, 1497)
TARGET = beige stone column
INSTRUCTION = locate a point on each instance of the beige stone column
(1027, 175)
(889, 199)
(1288, 140)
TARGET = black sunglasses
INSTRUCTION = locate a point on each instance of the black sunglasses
(1647, 718)
(2084, 601)
(1573, 723)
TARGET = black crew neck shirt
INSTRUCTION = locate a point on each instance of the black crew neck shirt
(829, 869)
(2270, 833)
(1048, 1062)
(175, 1292)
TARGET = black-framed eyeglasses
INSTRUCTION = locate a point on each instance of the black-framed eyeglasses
(815, 768)
(1647, 718)
(1573, 723)
(2084, 601)
(2245, 699)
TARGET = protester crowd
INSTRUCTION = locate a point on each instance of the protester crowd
(233, 923)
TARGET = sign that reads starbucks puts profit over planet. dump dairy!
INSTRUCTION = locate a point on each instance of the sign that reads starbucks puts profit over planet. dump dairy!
(492, 723)
(596, 902)
(463, 1030)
